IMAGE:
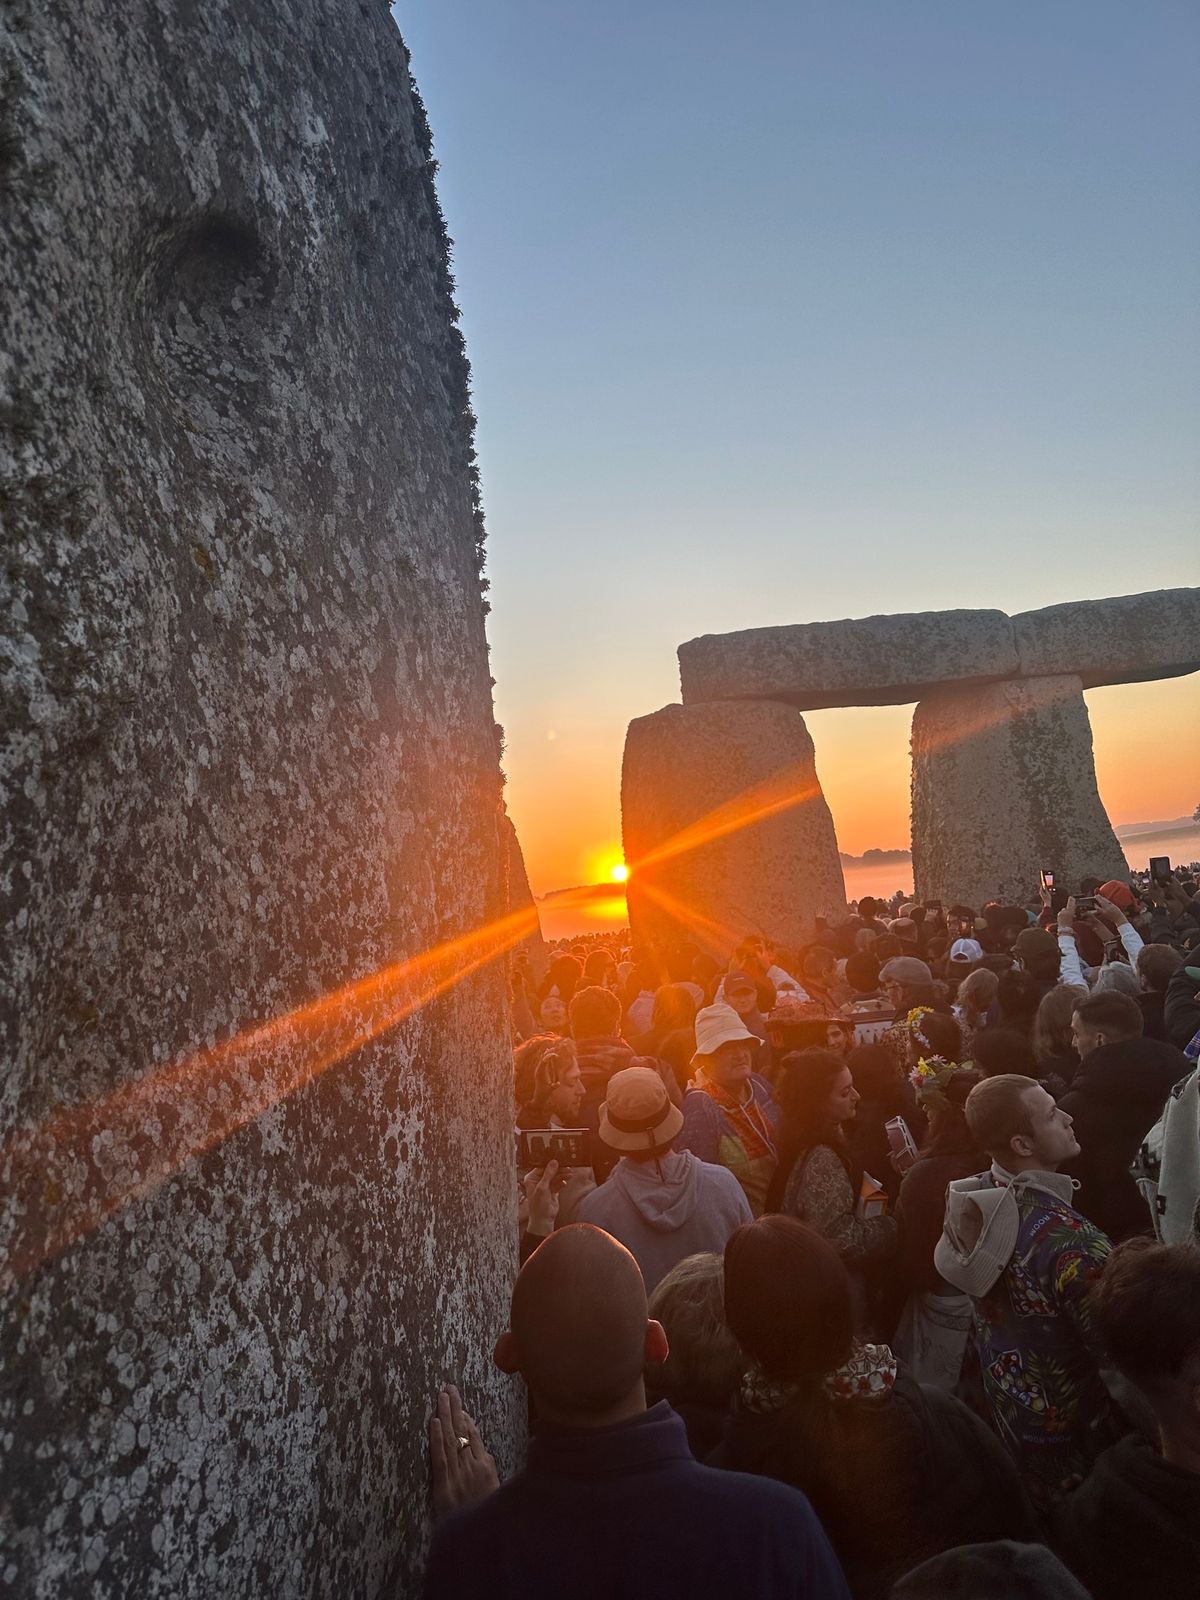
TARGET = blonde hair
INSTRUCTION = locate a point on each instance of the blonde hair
(704, 1358)
(538, 1064)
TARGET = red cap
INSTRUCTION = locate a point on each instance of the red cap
(1121, 895)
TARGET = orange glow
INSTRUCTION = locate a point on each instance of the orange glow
(705, 928)
(780, 792)
(620, 873)
(153, 1126)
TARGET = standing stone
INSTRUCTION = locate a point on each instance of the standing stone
(520, 899)
(1003, 783)
(246, 760)
(726, 831)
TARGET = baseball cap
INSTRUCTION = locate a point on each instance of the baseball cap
(1121, 895)
(966, 950)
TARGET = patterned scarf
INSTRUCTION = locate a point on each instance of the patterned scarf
(868, 1374)
(749, 1121)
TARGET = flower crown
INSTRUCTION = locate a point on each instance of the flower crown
(931, 1077)
(913, 1022)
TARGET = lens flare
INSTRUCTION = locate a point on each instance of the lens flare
(91, 1160)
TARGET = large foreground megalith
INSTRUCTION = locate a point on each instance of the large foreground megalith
(726, 831)
(1003, 784)
(247, 762)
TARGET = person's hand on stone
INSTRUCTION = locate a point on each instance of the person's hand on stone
(461, 1469)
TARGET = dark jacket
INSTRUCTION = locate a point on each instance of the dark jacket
(627, 1510)
(1154, 1023)
(1133, 1526)
(885, 1093)
(1181, 1010)
(921, 1212)
(1116, 1098)
(704, 1415)
(896, 1450)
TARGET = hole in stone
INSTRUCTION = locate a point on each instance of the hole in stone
(206, 303)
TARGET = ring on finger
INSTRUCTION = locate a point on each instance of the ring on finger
(462, 1441)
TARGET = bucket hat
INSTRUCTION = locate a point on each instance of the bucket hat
(637, 1113)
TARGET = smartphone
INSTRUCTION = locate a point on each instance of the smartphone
(1047, 877)
(1160, 869)
(900, 1140)
(1085, 904)
(567, 1146)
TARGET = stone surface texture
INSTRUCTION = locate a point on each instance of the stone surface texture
(247, 757)
(1128, 639)
(866, 661)
(520, 898)
(1004, 783)
(726, 830)
(892, 660)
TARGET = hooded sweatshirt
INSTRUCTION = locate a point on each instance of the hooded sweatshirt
(1133, 1526)
(1115, 1098)
(694, 1206)
(1027, 1258)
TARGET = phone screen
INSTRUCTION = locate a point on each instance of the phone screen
(567, 1146)
(1047, 877)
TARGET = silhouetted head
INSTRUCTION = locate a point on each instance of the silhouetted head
(788, 1299)
(578, 1332)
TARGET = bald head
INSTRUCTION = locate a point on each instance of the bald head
(579, 1325)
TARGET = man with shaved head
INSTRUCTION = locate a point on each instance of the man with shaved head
(611, 1500)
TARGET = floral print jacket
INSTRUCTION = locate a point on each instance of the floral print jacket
(1038, 1351)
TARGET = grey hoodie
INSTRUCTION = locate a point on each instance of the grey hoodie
(983, 1221)
(694, 1206)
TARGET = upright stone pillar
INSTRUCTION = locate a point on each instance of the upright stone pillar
(726, 831)
(1004, 783)
(520, 898)
(256, 1179)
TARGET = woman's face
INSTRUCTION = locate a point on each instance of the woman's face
(730, 1066)
(565, 1100)
(892, 992)
(838, 1038)
(843, 1097)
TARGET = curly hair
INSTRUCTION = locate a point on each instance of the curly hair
(806, 1080)
(538, 1064)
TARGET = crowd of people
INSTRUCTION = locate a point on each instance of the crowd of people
(865, 1268)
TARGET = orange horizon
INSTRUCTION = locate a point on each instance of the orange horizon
(567, 813)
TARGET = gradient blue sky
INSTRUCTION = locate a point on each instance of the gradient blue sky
(780, 312)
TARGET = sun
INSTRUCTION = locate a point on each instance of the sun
(619, 872)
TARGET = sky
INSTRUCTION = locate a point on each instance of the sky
(784, 312)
